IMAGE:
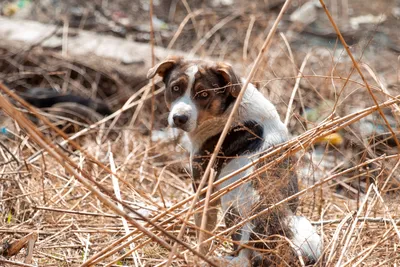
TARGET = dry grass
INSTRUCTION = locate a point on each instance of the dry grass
(115, 197)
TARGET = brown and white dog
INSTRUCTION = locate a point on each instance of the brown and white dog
(200, 96)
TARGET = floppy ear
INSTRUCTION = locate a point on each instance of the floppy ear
(163, 66)
(231, 79)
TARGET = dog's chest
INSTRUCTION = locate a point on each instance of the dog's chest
(241, 140)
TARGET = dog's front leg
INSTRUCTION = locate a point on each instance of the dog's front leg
(212, 218)
(238, 206)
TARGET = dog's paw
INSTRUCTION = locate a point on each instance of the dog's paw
(238, 262)
(229, 261)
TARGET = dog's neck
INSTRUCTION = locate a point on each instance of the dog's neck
(206, 131)
(253, 107)
(241, 140)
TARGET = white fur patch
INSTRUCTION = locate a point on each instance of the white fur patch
(255, 105)
(191, 73)
(305, 238)
(185, 105)
(242, 198)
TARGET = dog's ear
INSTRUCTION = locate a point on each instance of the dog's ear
(162, 67)
(229, 76)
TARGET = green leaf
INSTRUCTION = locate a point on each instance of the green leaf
(9, 217)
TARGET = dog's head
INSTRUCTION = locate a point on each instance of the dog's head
(196, 91)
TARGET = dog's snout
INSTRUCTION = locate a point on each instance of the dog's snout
(183, 114)
(180, 119)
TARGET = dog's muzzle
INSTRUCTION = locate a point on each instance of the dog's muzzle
(183, 115)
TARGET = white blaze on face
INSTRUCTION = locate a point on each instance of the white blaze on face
(185, 105)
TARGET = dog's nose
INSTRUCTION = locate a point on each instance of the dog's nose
(180, 120)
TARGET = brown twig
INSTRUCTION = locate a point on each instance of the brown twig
(205, 209)
(153, 62)
(85, 213)
(296, 86)
(182, 25)
(15, 263)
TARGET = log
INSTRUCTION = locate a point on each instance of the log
(105, 53)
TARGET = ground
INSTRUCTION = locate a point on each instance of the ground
(347, 157)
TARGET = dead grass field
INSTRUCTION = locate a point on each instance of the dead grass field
(112, 194)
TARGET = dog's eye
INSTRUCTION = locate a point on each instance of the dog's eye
(176, 88)
(204, 94)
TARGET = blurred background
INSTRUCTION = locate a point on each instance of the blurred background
(95, 54)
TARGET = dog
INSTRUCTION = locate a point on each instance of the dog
(200, 96)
